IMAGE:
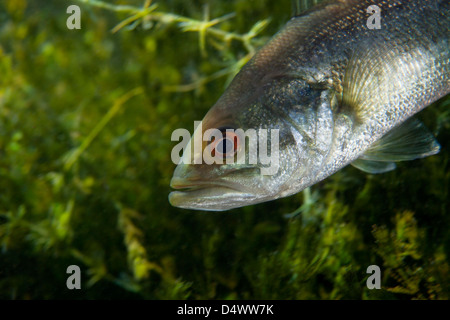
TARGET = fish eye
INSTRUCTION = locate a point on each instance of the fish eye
(227, 146)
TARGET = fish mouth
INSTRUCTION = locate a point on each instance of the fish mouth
(205, 196)
(183, 186)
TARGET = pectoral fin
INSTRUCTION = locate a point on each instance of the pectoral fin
(409, 141)
(373, 167)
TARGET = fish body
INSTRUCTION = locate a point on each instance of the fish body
(334, 89)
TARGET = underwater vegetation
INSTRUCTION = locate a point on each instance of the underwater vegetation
(86, 117)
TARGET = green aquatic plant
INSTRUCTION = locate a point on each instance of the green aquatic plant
(148, 16)
(405, 263)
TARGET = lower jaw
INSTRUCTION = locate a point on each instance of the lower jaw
(217, 199)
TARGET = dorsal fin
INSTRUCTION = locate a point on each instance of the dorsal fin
(300, 6)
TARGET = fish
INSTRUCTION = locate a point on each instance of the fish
(337, 89)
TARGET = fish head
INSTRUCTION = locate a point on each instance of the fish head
(257, 128)
(289, 113)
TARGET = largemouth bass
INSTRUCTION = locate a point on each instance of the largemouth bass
(337, 91)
